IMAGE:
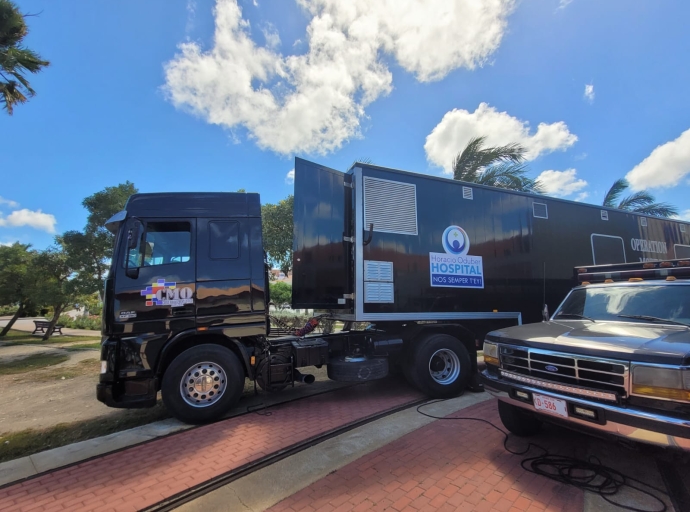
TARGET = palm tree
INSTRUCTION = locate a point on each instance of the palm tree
(15, 60)
(500, 166)
(639, 202)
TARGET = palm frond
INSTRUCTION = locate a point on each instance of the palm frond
(618, 187)
(509, 176)
(636, 200)
(475, 157)
(658, 210)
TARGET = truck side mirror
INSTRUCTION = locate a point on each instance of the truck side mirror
(133, 239)
(545, 313)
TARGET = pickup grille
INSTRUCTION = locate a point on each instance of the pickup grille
(588, 373)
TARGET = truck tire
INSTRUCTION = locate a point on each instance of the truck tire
(519, 422)
(202, 383)
(357, 369)
(439, 366)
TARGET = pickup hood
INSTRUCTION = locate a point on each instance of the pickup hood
(649, 343)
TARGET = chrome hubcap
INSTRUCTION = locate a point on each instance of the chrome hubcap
(203, 384)
(444, 366)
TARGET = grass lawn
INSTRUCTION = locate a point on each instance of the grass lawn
(27, 442)
(26, 338)
(85, 367)
(82, 346)
(31, 363)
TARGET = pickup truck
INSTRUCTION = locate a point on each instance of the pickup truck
(613, 359)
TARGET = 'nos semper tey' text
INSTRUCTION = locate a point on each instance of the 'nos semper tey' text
(456, 271)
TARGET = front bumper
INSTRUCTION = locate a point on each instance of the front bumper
(105, 392)
(631, 423)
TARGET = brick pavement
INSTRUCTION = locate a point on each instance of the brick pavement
(143, 475)
(444, 466)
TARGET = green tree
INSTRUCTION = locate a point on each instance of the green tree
(53, 283)
(281, 293)
(639, 202)
(500, 166)
(90, 250)
(277, 224)
(15, 60)
(14, 266)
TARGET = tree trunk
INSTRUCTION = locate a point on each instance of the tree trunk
(9, 325)
(53, 321)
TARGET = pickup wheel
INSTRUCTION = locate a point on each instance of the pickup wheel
(439, 366)
(202, 383)
(518, 421)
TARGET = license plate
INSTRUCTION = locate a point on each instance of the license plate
(550, 405)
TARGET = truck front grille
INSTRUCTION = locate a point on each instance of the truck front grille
(587, 373)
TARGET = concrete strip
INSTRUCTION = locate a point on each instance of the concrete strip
(16, 470)
(266, 487)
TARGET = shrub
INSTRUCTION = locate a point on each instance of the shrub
(91, 322)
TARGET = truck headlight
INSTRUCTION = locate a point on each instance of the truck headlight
(491, 353)
(669, 383)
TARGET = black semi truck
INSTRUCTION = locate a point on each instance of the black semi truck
(428, 264)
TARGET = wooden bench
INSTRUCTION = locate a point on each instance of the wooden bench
(41, 326)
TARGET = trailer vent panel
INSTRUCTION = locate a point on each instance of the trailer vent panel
(682, 228)
(604, 215)
(643, 221)
(467, 193)
(378, 292)
(391, 206)
(540, 210)
(378, 271)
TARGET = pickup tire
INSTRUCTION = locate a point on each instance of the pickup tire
(518, 421)
(357, 369)
(202, 383)
(439, 366)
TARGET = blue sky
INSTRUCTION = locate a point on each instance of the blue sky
(178, 95)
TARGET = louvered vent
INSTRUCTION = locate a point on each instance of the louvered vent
(604, 215)
(682, 228)
(378, 270)
(540, 211)
(467, 193)
(643, 221)
(391, 206)
(378, 292)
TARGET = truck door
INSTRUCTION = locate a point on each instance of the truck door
(322, 257)
(607, 249)
(159, 293)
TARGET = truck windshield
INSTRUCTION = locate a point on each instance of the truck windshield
(645, 303)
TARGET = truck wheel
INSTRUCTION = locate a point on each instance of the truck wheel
(440, 366)
(202, 383)
(519, 422)
(357, 369)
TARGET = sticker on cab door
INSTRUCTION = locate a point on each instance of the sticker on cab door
(454, 268)
(167, 293)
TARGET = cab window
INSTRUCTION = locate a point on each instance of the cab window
(163, 243)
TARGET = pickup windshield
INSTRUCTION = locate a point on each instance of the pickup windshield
(637, 303)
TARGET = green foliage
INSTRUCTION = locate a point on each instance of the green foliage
(91, 322)
(31, 363)
(15, 59)
(14, 280)
(8, 310)
(501, 166)
(639, 202)
(277, 224)
(281, 293)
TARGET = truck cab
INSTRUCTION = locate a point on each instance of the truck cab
(187, 269)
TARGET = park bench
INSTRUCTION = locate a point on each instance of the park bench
(41, 326)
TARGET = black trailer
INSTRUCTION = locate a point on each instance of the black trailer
(428, 264)
(380, 245)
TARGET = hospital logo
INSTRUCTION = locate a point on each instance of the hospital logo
(166, 293)
(455, 241)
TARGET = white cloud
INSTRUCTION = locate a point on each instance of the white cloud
(314, 102)
(589, 92)
(562, 4)
(6, 244)
(684, 215)
(581, 196)
(666, 166)
(290, 177)
(8, 202)
(35, 219)
(271, 35)
(562, 183)
(458, 126)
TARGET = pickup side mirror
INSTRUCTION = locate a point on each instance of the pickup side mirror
(545, 313)
(133, 240)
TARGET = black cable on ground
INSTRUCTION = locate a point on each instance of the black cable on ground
(589, 475)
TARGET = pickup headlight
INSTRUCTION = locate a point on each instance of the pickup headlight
(491, 353)
(655, 381)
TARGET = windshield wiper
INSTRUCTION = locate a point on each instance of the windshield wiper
(654, 319)
(575, 315)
